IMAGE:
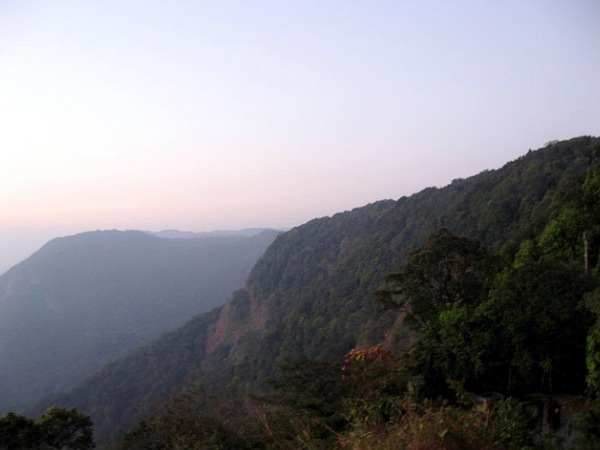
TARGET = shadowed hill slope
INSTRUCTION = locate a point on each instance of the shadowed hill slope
(82, 301)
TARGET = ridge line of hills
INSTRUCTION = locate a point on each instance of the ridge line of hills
(82, 301)
(245, 232)
(311, 294)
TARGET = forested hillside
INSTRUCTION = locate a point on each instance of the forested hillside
(311, 296)
(85, 300)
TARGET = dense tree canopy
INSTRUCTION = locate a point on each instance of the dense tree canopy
(56, 429)
(503, 313)
(448, 271)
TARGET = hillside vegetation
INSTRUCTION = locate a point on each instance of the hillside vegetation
(85, 300)
(480, 285)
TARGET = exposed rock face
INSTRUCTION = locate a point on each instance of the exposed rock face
(311, 294)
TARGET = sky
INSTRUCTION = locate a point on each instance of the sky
(216, 114)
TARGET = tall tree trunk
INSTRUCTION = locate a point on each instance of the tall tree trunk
(586, 252)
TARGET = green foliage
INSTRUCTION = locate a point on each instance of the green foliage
(310, 297)
(66, 429)
(18, 433)
(562, 238)
(593, 358)
(312, 403)
(457, 348)
(529, 335)
(374, 392)
(504, 425)
(376, 382)
(311, 386)
(447, 271)
(56, 429)
(586, 428)
(541, 324)
(304, 405)
(592, 301)
(188, 421)
(516, 426)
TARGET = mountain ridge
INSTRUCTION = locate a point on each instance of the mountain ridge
(311, 293)
(83, 300)
(177, 234)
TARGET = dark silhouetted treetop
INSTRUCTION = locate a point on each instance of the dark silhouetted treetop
(56, 429)
(447, 271)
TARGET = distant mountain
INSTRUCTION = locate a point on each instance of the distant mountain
(311, 294)
(176, 234)
(82, 301)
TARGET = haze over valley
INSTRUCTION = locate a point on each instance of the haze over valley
(82, 301)
(199, 116)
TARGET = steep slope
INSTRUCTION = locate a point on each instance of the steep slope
(82, 301)
(311, 294)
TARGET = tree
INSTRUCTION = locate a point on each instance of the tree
(448, 270)
(574, 231)
(539, 322)
(591, 209)
(66, 429)
(56, 429)
(191, 420)
(592, 302)
(18, 433)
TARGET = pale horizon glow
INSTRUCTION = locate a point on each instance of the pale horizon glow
(204, 115)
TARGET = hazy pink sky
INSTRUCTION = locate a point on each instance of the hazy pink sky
(201, 115)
